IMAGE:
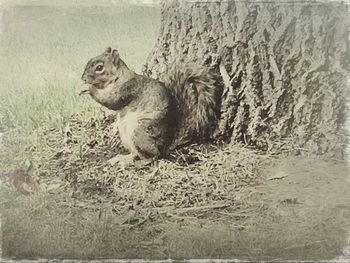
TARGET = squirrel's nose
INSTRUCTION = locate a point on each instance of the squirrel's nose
(84, 78)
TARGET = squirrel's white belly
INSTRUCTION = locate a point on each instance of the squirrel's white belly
(127, 125)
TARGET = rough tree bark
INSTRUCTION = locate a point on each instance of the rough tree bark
(283, 66)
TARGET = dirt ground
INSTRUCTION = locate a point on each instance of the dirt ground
(224, 201)
(311, 196)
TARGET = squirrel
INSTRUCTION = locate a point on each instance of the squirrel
(153, 117)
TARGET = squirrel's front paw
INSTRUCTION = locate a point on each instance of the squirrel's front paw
(123, 161)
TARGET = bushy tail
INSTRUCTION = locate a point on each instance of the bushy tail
(196, 95)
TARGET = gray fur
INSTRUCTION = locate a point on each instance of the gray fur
(162, 116)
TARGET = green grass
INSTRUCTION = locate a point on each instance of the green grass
(44, 51)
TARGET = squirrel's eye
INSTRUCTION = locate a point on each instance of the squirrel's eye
(99, 68)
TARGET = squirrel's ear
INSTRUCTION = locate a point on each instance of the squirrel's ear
(115, 55)
(108, 50)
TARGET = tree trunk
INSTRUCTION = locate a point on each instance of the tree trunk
(283, 67)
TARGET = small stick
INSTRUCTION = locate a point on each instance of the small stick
(199, 208)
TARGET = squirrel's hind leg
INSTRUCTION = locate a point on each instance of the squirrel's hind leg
(128, 160)
(122, 160)
(144, 162)
(148, 147)
(145, 150)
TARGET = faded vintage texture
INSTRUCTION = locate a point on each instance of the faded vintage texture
(283, 66)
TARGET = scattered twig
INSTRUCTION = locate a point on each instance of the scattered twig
(180, 217)
(280, 175)
(199, 208)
